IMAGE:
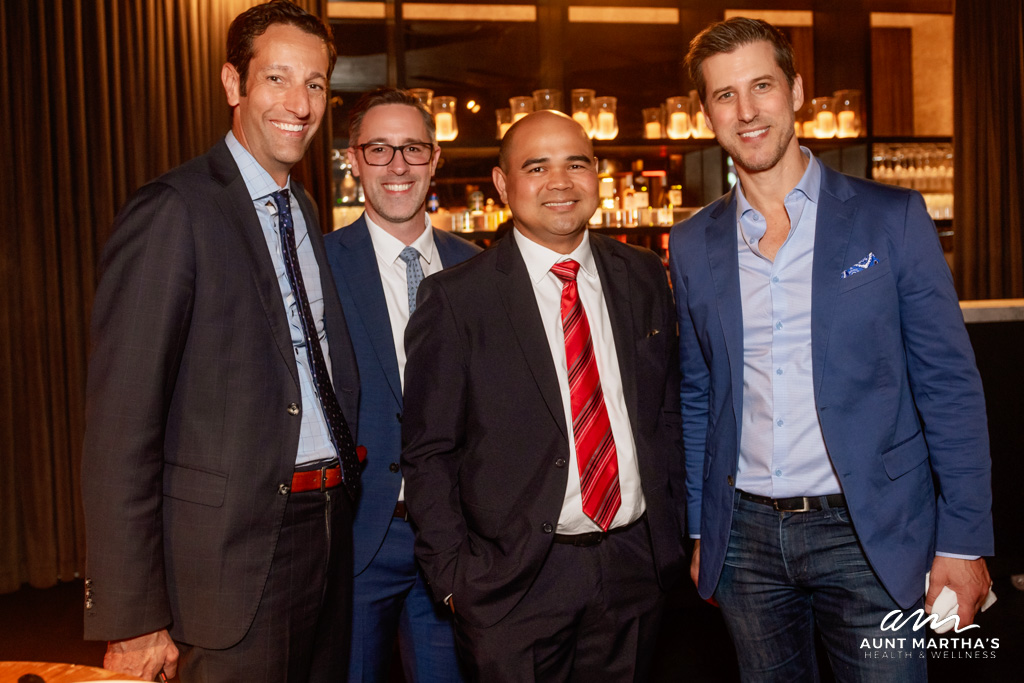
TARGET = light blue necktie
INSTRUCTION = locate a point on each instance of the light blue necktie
(413, 274)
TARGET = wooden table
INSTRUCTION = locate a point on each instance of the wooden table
(55, 672)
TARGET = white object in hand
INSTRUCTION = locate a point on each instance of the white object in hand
(946, 605)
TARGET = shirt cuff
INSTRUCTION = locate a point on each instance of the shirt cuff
(958, 557)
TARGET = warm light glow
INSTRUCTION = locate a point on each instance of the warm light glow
(848, 127)
(652, 130)
(445, 124)
(679, 125)
(475, 109)
(774, 17)
(431, 11)
(503, 128)
(825, 125)
(583, 118)
(355, 10)
(623, 15)
(470, 104)
(607, 127)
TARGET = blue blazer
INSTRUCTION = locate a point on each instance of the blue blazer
(354, 266)
(896, 388)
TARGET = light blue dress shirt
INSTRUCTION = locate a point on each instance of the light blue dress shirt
(314, 435)
(782, 450)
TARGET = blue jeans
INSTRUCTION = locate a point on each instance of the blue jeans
(789, 573)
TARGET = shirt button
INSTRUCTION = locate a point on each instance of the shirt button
(778, 325)
(283, 490)
(293, 408)
(778, 422)
(547, 528)
(775, 279)
(393, 467)
(778, 371)
(560, 462)
(778, 473)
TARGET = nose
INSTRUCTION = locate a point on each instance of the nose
(398, 165)
(746, 107)
(297, 101)
(559, 179)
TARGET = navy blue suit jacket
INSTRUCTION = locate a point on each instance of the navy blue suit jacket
(896, 389)
(354, 265)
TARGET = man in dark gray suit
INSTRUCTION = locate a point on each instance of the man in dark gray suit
(218, 516)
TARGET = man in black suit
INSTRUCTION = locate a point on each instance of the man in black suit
(218, 518)
(541, 453)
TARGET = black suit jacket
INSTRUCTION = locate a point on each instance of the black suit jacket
(192, 426)
(486, 447)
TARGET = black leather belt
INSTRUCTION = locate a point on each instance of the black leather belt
(797, 504)
(593, 538)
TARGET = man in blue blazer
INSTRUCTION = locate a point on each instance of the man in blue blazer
(377, 263)
(833, 417)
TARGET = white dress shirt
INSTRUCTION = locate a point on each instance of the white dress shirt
(548, 290)
(392, 269)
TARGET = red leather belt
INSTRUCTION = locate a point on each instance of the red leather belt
(316, 480)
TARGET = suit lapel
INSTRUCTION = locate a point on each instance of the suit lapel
(359, 269)
(834, 225)
(723, 259)
(237, 207)
(626, 322)
(520, 304)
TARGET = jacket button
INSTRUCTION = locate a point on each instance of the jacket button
(398, 416)
(547, 528)
(88, 604)
(293, 408)
(393, 467)
(88, 583)
(283, 490)
(730, 480)
(560, 462)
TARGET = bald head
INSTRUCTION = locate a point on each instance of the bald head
(548, 177)
(537, 117)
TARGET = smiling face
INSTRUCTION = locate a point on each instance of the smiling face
(751, 107)
(550, 180)
(286, 95)
(396, 194)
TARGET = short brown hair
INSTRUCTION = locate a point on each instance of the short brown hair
(728, 35)
(254, 22)
(382, 96)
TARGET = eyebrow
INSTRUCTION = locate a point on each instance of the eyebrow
(572, 157)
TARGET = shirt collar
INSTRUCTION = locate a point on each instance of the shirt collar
(257, 181)
(809, 185)
(539, 258)
(389, 247)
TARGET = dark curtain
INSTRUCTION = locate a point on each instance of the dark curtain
(988, 119)
(95, 99)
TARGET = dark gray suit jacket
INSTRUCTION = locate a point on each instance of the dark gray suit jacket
(191, 424)
(485, 444)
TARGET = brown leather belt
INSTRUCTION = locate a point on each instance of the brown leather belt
(797, 504)
(316, 480)
(401, 511)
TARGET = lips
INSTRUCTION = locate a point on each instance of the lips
(288, 127)
(749, 135)
(397, 187)
(558, 205)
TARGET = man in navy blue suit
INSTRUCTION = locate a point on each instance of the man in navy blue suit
(378, 262)
(827, 378)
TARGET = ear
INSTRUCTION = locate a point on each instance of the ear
(798, 92)
(707, 119)
(498, 177)
(436, 157)
(232, 84)
(353, 160)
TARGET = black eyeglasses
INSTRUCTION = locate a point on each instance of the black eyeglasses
(381, 154)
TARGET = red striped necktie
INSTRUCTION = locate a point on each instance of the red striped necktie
(591, 429)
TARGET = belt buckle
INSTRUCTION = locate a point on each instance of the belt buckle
(323, 478)
(806, 507)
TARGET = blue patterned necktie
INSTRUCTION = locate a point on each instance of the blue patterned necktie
(413, 274)
(325, 391)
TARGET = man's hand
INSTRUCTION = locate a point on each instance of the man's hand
(967, 578)
(695, 562)
(143, 656)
